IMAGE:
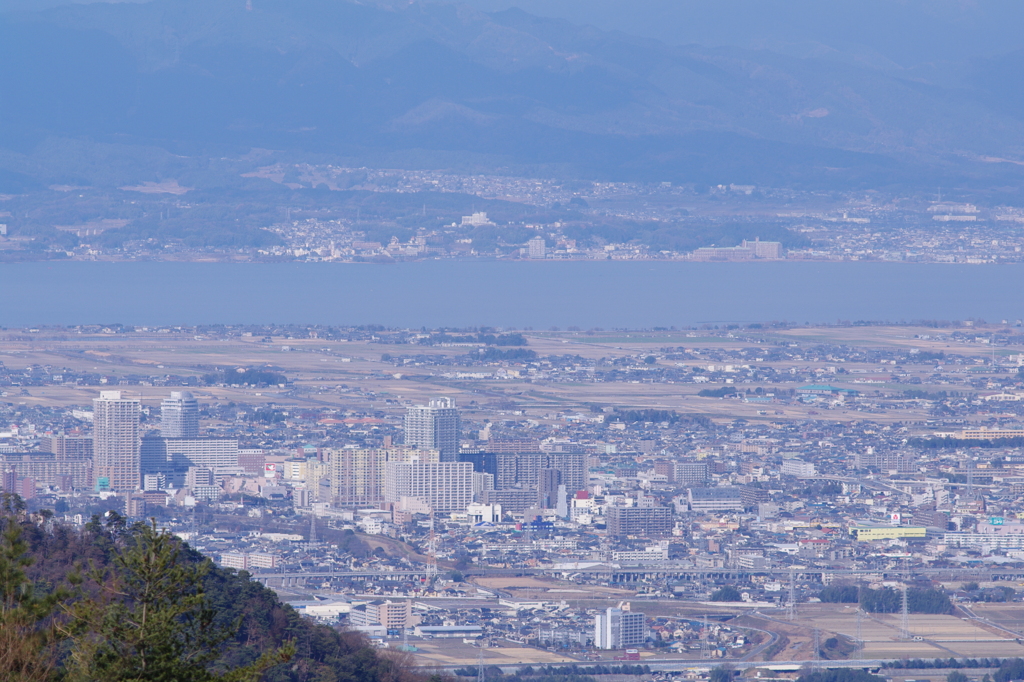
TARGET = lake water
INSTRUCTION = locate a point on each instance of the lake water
(629, 294)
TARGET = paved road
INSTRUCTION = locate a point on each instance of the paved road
(970, 614)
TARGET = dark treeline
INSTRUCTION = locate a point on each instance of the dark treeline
(514, 354)
(252, 377)
(944, 663)
(514, 339)
(655, 416)
(888, 600)
(716, 392)
(840, 675)
(918, 394)
(119, 602)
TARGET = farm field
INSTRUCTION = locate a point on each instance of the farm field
(361, 375)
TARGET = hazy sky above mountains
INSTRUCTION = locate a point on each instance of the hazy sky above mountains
(904, 32)
(781, 92)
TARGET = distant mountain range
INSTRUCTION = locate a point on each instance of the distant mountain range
(108, 93)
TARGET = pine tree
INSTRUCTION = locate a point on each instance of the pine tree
(29, 637)
(151, 620)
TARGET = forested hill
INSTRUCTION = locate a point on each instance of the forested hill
(114, 601)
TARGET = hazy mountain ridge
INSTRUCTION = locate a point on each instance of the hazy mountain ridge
(437, 82)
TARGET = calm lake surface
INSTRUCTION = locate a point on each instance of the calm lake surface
(508, 294)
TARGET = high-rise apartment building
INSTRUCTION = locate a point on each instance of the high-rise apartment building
(638, 520)
(718, 499)
(498, 445)
(772, 250)
(173, 456)
(179, 416)
(443, 486)
(690, 473)
(67, 447)
(393, 615)
(523, 469)
(357, 474)
(434, 426)
(47, 468)
(548, 483)
(536, 248)
(618, 629)
(116, 441)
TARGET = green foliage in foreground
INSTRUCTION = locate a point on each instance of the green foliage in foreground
(113, 602)
(151, 620)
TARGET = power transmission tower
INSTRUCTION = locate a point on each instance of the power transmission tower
(860, 618)
(312, 529)
(970, 477)
(480, 665)
(432, 551)
(905, 616)
(817, 647)
(791, 607)
(705, 639)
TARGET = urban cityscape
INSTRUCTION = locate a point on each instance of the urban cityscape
(686, 499)
(511, 341)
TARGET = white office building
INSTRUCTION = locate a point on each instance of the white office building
(179, 416)
(798, 468)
